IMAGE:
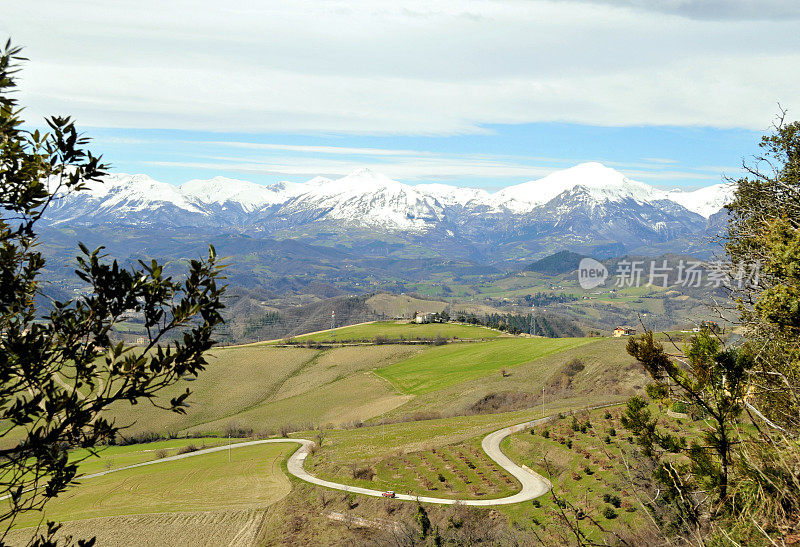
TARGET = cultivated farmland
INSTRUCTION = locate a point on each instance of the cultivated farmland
(406, 417)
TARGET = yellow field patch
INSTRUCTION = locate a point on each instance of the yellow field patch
(337, 363)
(356, 397)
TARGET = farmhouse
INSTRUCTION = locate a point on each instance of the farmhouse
(424, 317)
(624, 331)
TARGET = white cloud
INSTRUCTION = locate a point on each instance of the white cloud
(341, 150)
(719, 10)
(428, 167)
(409, 67)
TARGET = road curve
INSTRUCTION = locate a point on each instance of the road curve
(533, 484)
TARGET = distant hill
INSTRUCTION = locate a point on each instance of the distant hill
(300, 319)
(556, 264)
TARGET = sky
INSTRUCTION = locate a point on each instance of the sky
(472, 93)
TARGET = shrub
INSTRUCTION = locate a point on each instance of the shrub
(609, 513)
(574, 367)
(366, 472)
(441, 477)
(422, 415)
(546, 433)
(612, 432)
(607, 440)
(679, 406)
(188, 448)
(613, 499)
(139, 438)
(235, 429)
(161, 453)
(501, 401)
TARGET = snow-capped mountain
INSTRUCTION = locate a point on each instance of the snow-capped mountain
(226, 192)
(580, 205)
(705, 201)
(451, 196)
(366, 199)
(598, 182)
(128, 199)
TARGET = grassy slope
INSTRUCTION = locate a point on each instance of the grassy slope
(113, 457)
(395, 305)
(609, 372)
(444, 366)
(235, 379)
(342, 447)
(209, 482)
(268, 386)
(396, 329)
(263, 387)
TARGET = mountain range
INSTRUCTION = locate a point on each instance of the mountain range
(589, 208)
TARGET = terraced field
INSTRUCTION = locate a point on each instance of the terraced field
(458, 470)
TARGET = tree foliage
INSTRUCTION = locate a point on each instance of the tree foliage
(764, 229)
(740, 482)
(61, 365)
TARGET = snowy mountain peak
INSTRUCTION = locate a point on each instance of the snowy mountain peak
(366, 179)
(601, 183)
(221, 190)
(367, 199)
(705, 201)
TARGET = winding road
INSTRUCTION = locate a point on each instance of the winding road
(533, 484)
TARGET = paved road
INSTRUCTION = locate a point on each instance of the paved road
(533, 484)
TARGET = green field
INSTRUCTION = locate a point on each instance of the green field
(266, 388)
(444, 366)
(252, 479)
(114, 457)
(402, 329)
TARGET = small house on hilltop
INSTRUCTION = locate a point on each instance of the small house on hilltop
(424, 317)
(624, 330)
